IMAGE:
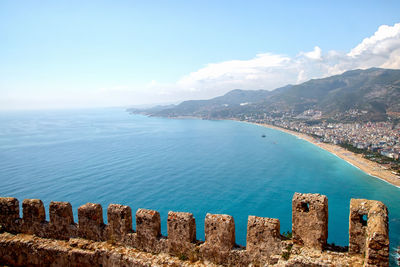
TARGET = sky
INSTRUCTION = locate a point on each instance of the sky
(75, 54)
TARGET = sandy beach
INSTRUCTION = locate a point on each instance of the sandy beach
(370, 167)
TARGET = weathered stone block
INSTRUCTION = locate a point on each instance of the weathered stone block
(34, 217)
(61, 213)
(219, 231)
(369, 231)
(148, 231)
(148, 224)
(181, 227)
(310, 220)
(90, 217)
(61, 220)
(263, 236)
(9, 213)
(358, 218)
(377, 245)
(33, 211)
(119, 219)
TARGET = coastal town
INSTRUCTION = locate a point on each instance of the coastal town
(376, 141)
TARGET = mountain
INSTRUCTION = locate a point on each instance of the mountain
(357, 95)
(375, 92)
(204, 108)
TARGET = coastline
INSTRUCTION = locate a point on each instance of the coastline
(367, 166)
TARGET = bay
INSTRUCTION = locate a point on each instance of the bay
(109, 156)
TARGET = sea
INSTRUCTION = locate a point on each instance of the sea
(200, 166)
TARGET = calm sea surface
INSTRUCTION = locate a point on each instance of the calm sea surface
(109, 156)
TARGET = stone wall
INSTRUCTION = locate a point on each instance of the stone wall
(369, 231)
(310, 220)
(265, 245)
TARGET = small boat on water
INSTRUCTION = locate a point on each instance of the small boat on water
(263, 136)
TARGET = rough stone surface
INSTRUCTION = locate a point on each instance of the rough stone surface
(119, 219)
(181, 228)
(34, 217)
(9, 214)
(61, 220)
(377, 244)
(308, 257)
(23, 250)
(148, 229)
(33, 211)
(27, 250)
(263, 237)
(91, 224)
(368, 231)
(359, 208)
(220, 231)
(219, 242)
(264, 247)
(310, 220)
(148, 224)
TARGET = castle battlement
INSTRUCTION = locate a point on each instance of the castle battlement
(368, 232)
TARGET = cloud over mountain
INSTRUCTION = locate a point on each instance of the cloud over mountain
(269, 71)
(264, 71)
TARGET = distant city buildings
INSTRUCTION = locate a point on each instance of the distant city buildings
(379, 137)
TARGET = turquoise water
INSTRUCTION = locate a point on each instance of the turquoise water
(108, 156)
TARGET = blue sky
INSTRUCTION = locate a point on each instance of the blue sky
(56, 54)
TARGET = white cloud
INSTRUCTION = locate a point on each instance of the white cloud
(385, 40)
(264, 71)
(269, 71)
(315, 54)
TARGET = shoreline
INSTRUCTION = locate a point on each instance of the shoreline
(369, 167)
